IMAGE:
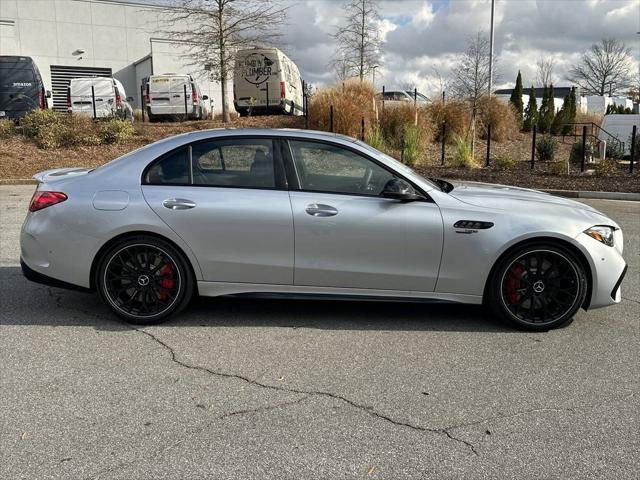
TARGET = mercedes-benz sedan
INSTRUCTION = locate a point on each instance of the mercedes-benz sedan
(301, 213)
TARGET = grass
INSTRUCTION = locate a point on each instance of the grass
(462, 157)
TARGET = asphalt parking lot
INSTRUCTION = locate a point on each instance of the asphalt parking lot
(296, 390)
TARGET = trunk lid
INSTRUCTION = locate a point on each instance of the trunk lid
(57, 174)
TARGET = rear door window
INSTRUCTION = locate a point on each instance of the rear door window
(172, 169)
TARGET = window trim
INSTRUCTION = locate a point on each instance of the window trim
(277, 158)
(298, 185)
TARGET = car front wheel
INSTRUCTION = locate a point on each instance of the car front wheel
(538, 287)
(144, 280)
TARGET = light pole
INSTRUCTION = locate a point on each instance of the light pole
(493, 9)
(373, 69)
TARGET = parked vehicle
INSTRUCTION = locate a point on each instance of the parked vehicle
(266, 81)
(172, 95)
(619, 126)
(400, 97)
(300, 213)
(21, 87)
(106, 93)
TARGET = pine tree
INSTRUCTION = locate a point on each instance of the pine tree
(570, 115)
(531, 112)
(516, 97)
(546, 117)
(561, 117)
(543, 110)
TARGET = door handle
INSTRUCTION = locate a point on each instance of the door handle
(178, 204)
(320, 210)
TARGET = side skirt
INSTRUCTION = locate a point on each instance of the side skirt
(217, 289)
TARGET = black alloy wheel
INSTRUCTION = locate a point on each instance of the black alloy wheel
(539, 287)
(144, 280)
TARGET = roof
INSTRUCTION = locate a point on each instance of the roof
(558, 92)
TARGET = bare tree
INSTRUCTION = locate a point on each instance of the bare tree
(212, 31)
(341, 67)
(606, 68)
(470, 77)
(442, 83)
(544, 71)
(358, 39)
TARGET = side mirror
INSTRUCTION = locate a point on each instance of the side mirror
(402, 190)
(205, 97)
(129, 99)
(47, 94)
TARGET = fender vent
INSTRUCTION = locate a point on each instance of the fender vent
(472, 224)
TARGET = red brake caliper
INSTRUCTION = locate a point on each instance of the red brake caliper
(167, 281)
(512, 283)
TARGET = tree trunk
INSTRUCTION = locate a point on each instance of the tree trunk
(223, 70)
(362, 45)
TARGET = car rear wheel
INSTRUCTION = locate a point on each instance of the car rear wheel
(144, 280)
(538, 287)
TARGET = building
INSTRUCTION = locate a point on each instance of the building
(78, 38)
(558, 97)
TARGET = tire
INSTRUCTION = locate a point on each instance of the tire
(534, 298)
(144, 280)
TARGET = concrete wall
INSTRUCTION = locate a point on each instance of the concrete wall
(112, 33)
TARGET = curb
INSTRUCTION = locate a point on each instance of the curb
(634, 197)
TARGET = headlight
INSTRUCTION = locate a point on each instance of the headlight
(602, 234)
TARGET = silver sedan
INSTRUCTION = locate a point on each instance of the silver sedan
(301, 213)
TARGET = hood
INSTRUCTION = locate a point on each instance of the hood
(510, 198)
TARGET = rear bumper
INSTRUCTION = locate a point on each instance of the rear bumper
(37, 277)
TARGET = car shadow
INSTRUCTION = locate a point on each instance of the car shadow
(27, 303)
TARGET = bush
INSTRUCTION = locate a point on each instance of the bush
(455, 113)
(576, 152)
(395, 120)
(605, 168)
(501, 116)
(351, 101)
(413, 147)
(373, 137)
(546, 148)
(462, 157)
(48, 136)
(614, 150)
(115, 131)
(6, 128)
(559, 168)
(35, 120)
(504, 162)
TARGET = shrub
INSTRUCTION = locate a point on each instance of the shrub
(576, 152)
(351, 101)
(413, 147)
(35, 120)
(605, 168)
(394, 121)
(614, 150)
(115, 131)
(546, 148)
(559, 168)
(504, 162)
(373, 137)
(501, 116)
(48, 136)
(6, 128)
(462, 157)
(455, 113)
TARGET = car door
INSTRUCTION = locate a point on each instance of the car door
(347, 235)
(227, 199)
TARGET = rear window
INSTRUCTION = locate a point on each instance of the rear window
(170, 170)
(164, 84)
(17, 76)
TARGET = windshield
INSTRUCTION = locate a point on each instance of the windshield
(401, 167)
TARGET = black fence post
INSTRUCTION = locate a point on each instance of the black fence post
(331, 118)
(415, 96)
(142, 101)
(186, 115)
(533, 148)
(488, 144)
(383, 98)
(306, 111)
(584, 147)
(93, 101)
(444, 137)
(362, 128)
(443, 97)
(402, 148)
(634, 132)
(267, 87)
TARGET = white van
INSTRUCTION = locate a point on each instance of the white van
(619, 126)
(266, 81)
(110, 98)
(172, 95)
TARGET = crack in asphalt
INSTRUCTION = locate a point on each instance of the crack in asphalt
(334, 396)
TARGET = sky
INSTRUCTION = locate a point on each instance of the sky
(423, 35)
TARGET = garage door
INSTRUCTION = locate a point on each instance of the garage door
(61, 75)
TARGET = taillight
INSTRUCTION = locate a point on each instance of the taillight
(42, 200)
(40, 100)
(118, 100)
(146, 99)
(194, 95)
(283, 92)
